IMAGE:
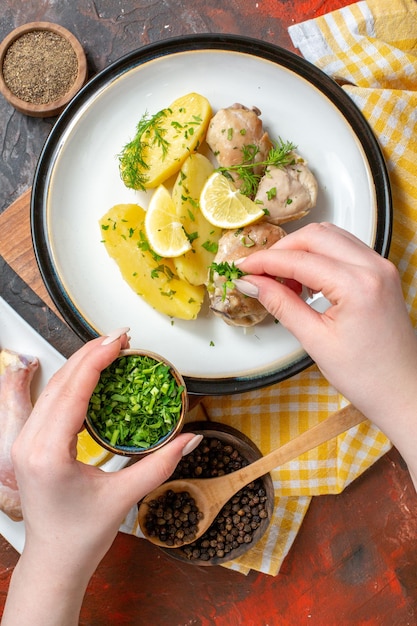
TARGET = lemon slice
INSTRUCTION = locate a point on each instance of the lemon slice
(164, 231)
(89, 451)
(224, 206)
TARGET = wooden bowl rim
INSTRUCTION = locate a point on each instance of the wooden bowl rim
(136, 453)
(50, 108)
(213, 429)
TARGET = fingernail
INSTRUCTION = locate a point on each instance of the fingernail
(242, 258)
(115, 335)
(191, 445)
(248, 289)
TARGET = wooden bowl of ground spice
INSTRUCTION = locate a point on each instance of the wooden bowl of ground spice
(42, 67)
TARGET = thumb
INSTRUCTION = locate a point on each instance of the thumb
(139, 479)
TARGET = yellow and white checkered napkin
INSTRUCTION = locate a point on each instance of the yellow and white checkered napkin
(371, 48)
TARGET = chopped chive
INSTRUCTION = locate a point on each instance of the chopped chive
(136, 402)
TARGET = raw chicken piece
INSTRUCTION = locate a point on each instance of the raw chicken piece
(16, 374)
(237, 309)
(233, 128)
(287, 192)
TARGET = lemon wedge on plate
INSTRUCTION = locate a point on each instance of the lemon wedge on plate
(224, 206)
(164, 231)
(89, 451)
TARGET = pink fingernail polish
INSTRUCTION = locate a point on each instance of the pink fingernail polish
(248, 289)
(115, 335)
(191, 445)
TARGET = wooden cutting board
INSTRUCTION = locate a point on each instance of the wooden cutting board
(16, 246)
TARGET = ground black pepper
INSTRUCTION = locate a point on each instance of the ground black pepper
(40, 67)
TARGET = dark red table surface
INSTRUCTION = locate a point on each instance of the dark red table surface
(354, 561)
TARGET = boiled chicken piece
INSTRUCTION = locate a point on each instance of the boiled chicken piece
(235, 308)
(16, 374)
(288, 192)
(233, 128)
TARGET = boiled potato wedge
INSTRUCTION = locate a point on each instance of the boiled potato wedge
(150, 276)
(193, 265)
(163, 142)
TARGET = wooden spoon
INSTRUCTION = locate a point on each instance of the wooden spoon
(210, 494)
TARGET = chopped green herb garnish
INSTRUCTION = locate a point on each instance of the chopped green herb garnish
(210, 246)
(162, 269)
(271, 193)
(248, 242)
(170, 294)
(143, 245)
(192, 236)
(136, 402)
(230, 273)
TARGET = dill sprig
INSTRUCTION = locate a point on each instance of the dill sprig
(229, 271)
(150, 131)
(280, 155)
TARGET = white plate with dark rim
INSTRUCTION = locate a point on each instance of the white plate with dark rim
(77, 181)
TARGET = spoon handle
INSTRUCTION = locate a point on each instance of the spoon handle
(331, 427)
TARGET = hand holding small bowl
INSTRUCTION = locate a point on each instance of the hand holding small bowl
(139, 404)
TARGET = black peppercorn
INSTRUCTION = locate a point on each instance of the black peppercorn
(235, 524)
(239, 518)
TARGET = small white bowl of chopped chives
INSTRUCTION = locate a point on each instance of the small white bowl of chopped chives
(138, 405)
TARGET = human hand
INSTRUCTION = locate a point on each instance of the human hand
(73, 511)
(363, 343)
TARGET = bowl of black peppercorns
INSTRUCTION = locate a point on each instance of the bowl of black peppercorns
(244, 518)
